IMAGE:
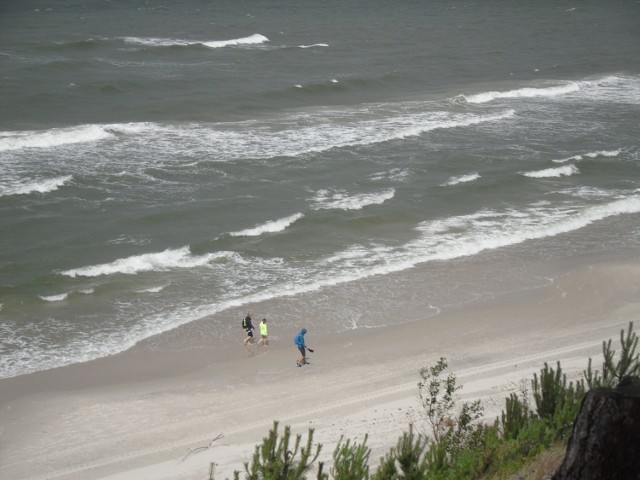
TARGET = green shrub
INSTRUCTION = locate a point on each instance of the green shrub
(351, 462)
(450, 432)
(613, 371)
(515, 416)
(406, 461)
(274, 460)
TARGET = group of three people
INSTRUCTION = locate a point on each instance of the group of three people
(264, 340)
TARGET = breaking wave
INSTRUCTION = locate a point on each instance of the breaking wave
(163, 261)
(268, 227)
(565, 171)
(39, 186)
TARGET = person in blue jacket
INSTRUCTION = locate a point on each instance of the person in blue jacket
(302, 347)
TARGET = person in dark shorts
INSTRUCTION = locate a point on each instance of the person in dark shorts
(302, 347)
(248, 327)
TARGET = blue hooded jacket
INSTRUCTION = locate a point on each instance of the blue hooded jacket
(299, 340)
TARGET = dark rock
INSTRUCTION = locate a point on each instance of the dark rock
(605, 442)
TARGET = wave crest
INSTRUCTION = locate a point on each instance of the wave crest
(341, 200)
(470, 177)
(52, 138)
(162, 261)
(40, 186)
(565, 171)
(172, 42)
(522, 93)
(268, 227)
(601, 153)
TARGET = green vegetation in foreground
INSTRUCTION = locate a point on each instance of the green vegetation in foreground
(459, 447)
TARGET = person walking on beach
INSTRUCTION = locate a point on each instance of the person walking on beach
(302, 347)
(248, 327)
(263, 333)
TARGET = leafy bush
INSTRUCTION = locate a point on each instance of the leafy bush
(437, 399)
(557, 402)
(515, 417)
(613, 371)
(273, 460)
(407, 460)
(351, 462)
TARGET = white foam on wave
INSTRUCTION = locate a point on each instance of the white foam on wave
(250, 40)
(340, 199)
(152, 289)
(169, 42)
(590, 193)
(601, 153)
(554, 91)
(304, 134)
(54, 298)
(162, 261)
(564, 171)
(469, 177)
(466, 235)
(314, 45)
(39, 186)
(272, 226)
(52, 138)
(57, 137)
(488, 230)
(395, 174)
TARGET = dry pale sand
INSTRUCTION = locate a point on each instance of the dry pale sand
(359, 382)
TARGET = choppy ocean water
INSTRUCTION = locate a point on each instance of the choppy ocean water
(164, 163)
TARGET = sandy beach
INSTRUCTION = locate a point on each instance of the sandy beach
(119, 418)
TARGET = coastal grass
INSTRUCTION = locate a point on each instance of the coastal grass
(527, 441)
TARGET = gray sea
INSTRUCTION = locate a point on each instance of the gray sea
(165, 165)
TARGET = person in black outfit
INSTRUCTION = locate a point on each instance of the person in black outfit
(248, 327)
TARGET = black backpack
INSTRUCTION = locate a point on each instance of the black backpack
(244, 322)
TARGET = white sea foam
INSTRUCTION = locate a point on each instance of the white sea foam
(52, 138)
(251, 40)
(57, 137)
(590, 192)
(54, 298)
(339, 199)
(163, 261)
(269, 227)
(169, 42)
(554, 91)
(470, 177)
(467, 235)
(326, 132)
(601, 153)
(471, 234)
(152, 289)
(39, 186)
(396, 174)
(564, 171)
(314, 45)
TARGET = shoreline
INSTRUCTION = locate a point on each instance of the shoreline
(138, 414)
